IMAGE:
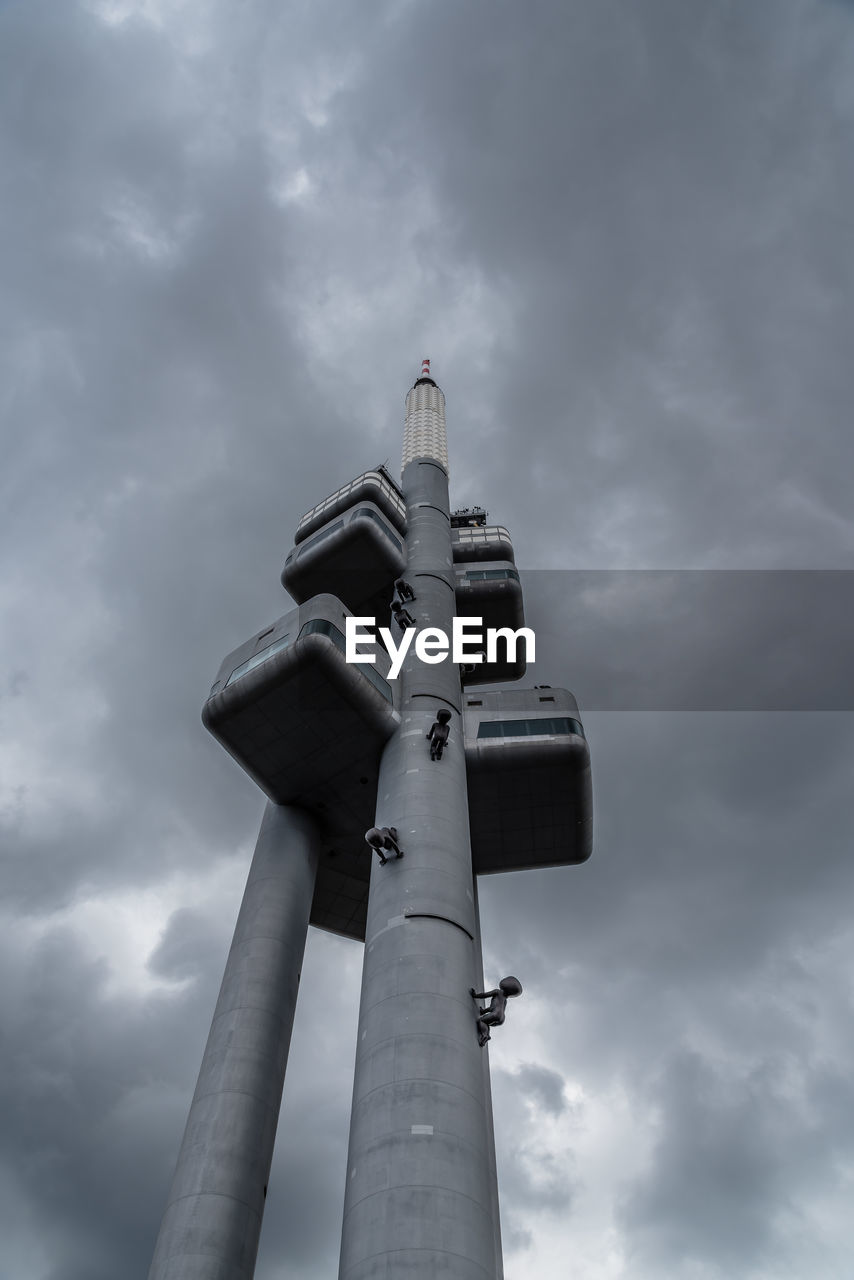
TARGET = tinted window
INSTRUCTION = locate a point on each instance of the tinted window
(366, 512)
(491, 575)
(257, 658)
(324, 533)
(528, 728)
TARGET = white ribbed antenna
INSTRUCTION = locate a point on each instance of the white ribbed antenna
(424, 431)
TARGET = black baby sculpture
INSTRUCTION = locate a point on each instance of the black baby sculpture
(384, 840)
(493, 1015)
(438, 734)
(402, 616)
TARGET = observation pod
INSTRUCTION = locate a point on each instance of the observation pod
(528, 772)
(309, 727)
(491, 590)
(306, 725)
(356, 557)
(371, 486)
(482, 542)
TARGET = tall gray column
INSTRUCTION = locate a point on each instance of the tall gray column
(420, 1198)
(213, 1216)
(487, 1089)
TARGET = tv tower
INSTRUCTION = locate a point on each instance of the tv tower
(387, 797)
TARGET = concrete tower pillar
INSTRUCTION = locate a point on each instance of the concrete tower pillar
(212, 1222)
(420, 1198)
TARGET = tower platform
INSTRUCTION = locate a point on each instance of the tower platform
(356, 557)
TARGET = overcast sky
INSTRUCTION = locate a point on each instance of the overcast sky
(622, 230)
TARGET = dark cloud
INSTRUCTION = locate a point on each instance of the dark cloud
(542, 1087)
(733, 1153)
(621, 232)
(539, 1177)
(88, 1101)
(676, 246)
(707, 640)
(188, 948)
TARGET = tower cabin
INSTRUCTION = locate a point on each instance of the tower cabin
(356, 556)
(528, 772)
(481, 542)
(351, 546)
(492, 590)
(309, 728)
(376, 487)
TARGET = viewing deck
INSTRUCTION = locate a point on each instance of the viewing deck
(356, 557)
(482, 542)
(371, 486)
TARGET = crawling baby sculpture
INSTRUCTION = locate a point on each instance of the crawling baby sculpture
(493, 1015)
(384, 841)
(438, 734)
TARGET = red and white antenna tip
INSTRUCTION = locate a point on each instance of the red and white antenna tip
(425, 368)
